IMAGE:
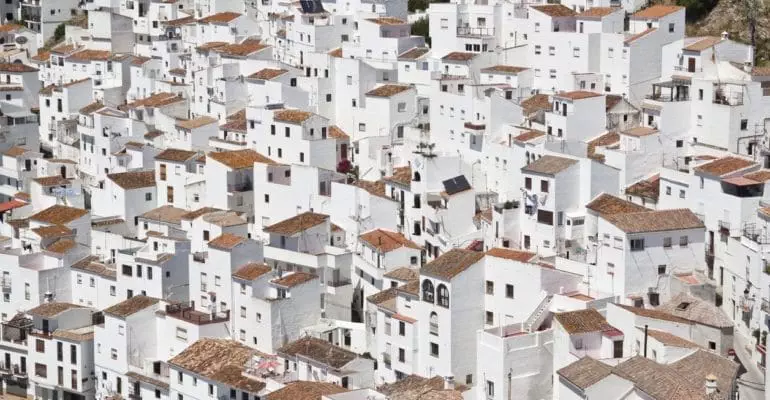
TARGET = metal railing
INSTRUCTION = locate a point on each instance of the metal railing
(240, 187)
(470, 31)
(755, 234)
(339, 282)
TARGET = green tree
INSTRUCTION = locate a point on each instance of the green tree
(58, 34)
(421, 28)
(697, 9)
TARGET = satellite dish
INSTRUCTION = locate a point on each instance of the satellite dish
(21, 39)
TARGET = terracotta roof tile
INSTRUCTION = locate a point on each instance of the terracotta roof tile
(607, 204)
(49, 310)
(196, 122)
(582, 321)
(605, 140)
(403, 274)
(16, 68)
(656, 11)
(53, 231)
(268, 73)
(337, 53)
(639, 35)
(640, 131)
(15, 151)
(41, 56)
(336, 133)
(451, 263)
(239, 159)
(178, 71)
(156, 100)
(669, 339)
(304, 390)
(64, 49)
(179, 21)
(555, 10)
(696, 310)
(549, 165)
(401, 176)
(387, 21)
(459, 56)
(139, 60)
(296, 224)
(61, 246)
(577, 95)
(242, 49)
(92, 108)
(292, 116)
(598, 12)
(220, 18)
(166, 214)
(388, 90)
(763, 175)
(386, 241)
(647, 188)
(319, 351)
(529, 135)
(209, 357)
(226, 241)
(654, 314)
(655, 221)
(723, 166)
(376, 188)
(58, 215)
(413, 53)
(134, 179)
(703, 43)
(129, 307)
(198, 213)
(294, 279)
(54, 180)
(90, 55)
(175, 155)
(504, 69)
(251, 271)
(511, 254)
(536, 103)
(585, 372)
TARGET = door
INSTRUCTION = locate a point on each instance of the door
(691, 64)
(170, 194)
(344, 151)
(617, 349)
(63, 171)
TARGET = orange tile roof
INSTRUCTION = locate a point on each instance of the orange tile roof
(336, 133)
(92, 108)
(179, 21)
(655, 221)
(703, 43)
(656, 11)
(724, 166)
(388, 90)
(451, 263)
(401, 176)
(387, 21)
(9, 28)
(64, 49)
(459, 56)
(251, 271)
(58, 215)
(41, 55)
(175, 155)
(293, 116)
(54, 180)
(598, 12)
(555, 10)
(607, 204)
(505, 69)
(386, 241)
(242, 49)
(296, 224)
(268, 73)
(61, 246)
(294, 279)
(196, 122)
(577, 95)
(529, 135)
(211, 45)
(639, 35)
(15, 151)
(178, 71)
(134, 179)
(511, 254)
(226, 241)
(240, 159)
(16, 67)
(220, 18)
(90, 55)
(336, 52)
(536, 103)
(156, 100)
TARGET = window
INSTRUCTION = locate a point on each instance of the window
(681, 193)
(637, 244)
(552, 75)
(537, 49)
(668, 190)
(551, 50)
(671, 27)
(700, 94)
(545, 217)
(680, 143)
(666, 242)
(401, 328)
(662, 269)
(490, 389)
(114, 354)
(610, 269)
(41, 370)
(490, 318)
(576, 52)
(427, 291)
(509, 291)
(434, 349)
(610, 52)
(528, 183)
(127, 270)
(712, 346)
(112, 291)
(544, 186)
(744, 124)
(683, 241)
(443, 296)
(490, 287)
(362, 127)
(181, 333)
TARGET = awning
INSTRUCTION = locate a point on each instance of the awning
(10, 205)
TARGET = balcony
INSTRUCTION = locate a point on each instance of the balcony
(670, 91)
(687, 68)
(755, 234)
(467, 31)
(724, 227)
(185, 312)
(728, 95)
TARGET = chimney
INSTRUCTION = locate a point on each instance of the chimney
(449, 383)
(711, 384)
(725, 35)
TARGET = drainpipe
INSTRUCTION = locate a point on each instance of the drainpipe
(645, 341)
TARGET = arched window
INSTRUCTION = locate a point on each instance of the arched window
(434, 323)
(443, 296)
(416, 176)
(427, 291)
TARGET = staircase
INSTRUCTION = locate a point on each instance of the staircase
(537, 317)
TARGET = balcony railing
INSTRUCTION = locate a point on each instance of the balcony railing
(339, 283)
(187, 313)
(685, 68)
(756, 235)
(470, 31)
(240, 187)
(765, 306)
